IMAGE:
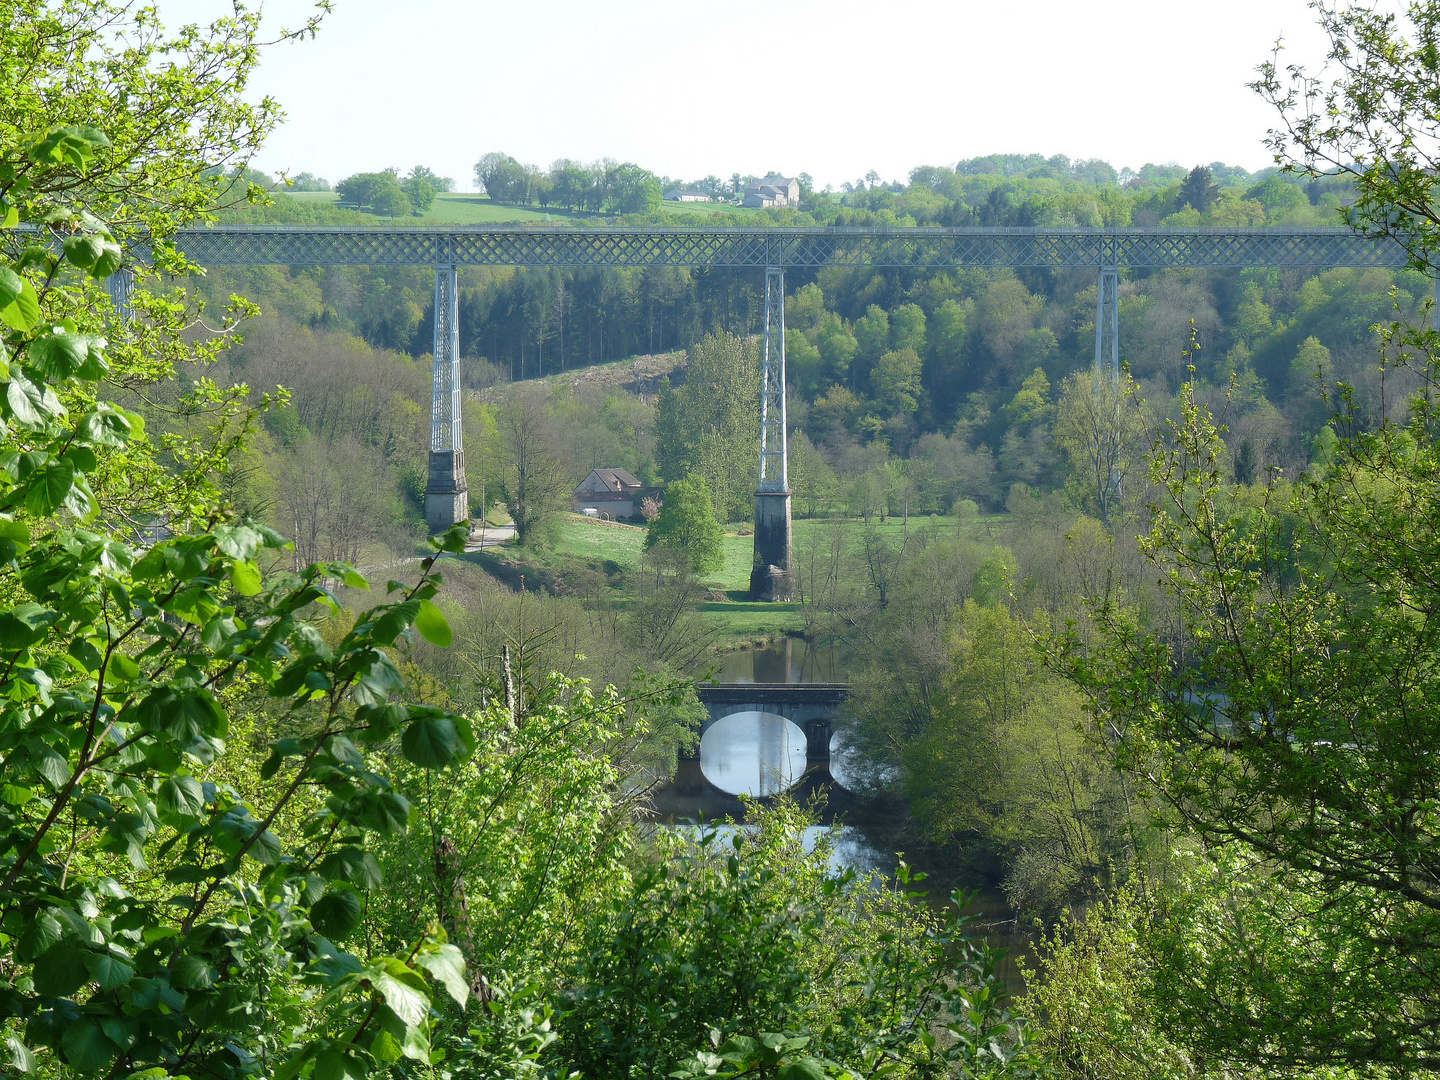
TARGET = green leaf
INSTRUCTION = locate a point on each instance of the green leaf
(85, 653)
(86, 1047)
(58, 356)
(110, 260)
(18, 1055)
(448, 965)
(124, 666)
(106, 426)
(24, 625)
(352, 864)
(807, 1068)
(417, 1046)
(39, 934)
(48, 762)
(181, 796)
(15, 535)
(266, 850)
(23, 312)
(402, 989)
(246, 578)
(60, 970)
(381, 722)
(386, 1047)
(96, 367)
(49, 488)
(336, 914)
(83, 250)
(15, 795)
(432, 625)
(739, 1049)
(11, 285)
(453, 539)
(291, 1066)
(395, 622)
(109, 971)
(71, 146)
(31, 404)
(238, 541)
(383, 812)
(334, 1064)
(431, 741)
(192, 973)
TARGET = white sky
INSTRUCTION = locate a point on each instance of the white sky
(833, 88)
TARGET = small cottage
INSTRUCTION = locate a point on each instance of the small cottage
(610, 493)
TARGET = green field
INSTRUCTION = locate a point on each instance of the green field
(601, 542)
(586, 544)
(596, 544)
(460, 208)
(584, 538)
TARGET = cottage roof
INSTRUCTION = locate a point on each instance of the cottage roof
(616, 479)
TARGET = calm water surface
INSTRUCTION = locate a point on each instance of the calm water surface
(791, 662)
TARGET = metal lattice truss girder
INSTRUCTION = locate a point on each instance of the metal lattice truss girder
(445, 429)
(774, 464)
(919, 248)
(1107, 323)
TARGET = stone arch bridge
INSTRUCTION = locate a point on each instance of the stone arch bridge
(812, 707)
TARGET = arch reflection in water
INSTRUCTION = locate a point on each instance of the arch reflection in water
(753, 753)
(849, 847)
(852, 772)
(844, 767)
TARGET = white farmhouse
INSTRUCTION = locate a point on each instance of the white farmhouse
(686, 195)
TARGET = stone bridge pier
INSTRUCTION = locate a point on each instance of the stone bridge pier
(812, 707)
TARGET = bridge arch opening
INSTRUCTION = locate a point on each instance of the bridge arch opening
(753, 753)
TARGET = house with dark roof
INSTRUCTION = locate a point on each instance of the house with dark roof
(611, 493)
(772, 191)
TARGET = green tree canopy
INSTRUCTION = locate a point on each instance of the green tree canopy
(380, 193)
(687, 524)
(419, 192)
(897, 380)
(1297, 726)
(1199, 189)
(708, 428)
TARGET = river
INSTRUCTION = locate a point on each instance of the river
(758, 754)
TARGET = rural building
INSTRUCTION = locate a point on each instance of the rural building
(686, 195)
(611, 492)
(772, 191)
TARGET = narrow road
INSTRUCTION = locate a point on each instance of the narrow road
(490, 536)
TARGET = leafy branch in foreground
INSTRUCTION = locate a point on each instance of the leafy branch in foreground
(1370, 117)
(1289, 713)
(152, 914)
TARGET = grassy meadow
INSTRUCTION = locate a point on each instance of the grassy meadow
(468, 208)
(584, 545)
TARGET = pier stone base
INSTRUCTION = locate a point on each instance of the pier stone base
(447, 497)
(770, 575)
